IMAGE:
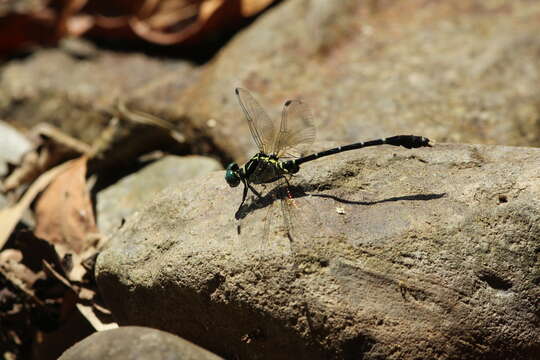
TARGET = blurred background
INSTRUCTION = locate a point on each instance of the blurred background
(105, 103)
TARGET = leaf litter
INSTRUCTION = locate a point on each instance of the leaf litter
(48, 296)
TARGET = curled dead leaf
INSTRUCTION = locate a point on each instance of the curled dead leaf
(252, 7)
(9, 217)
(174, 22)
(165, 22)
(64, 212)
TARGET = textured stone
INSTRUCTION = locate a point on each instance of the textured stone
(131, 193)
(133, 342)
(426, 253)
(466, 72)
(79, 96)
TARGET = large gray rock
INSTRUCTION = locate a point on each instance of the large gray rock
(132, 192)
(371, 69)
(427, 253)
(135, 342)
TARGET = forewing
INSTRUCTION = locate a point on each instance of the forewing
(260, 125)
(296, 132)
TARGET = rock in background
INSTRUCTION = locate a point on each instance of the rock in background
(134, 342)
(466, 72)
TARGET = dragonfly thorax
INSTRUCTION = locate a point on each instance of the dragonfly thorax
(260, 169)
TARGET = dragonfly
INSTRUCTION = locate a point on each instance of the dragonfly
(279, 146)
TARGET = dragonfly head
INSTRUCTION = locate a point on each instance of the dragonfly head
(232, 176)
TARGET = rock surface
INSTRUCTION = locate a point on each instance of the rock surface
(135, 342)
(131, 193)
(426, 253)
(370, 69)
(78, 95)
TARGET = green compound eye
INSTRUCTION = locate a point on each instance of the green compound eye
(231, 176)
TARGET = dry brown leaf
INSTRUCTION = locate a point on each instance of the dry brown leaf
(83, 296)
(21, 31)
(11, 262)
(165, 22)
(252, 7)
(177, 22)
(49, 269)
(25, 172)
(208, 7)
(144, 118)
(53, 148)
(20, 285)
(9, 217)
(88, 313)
(64, 213)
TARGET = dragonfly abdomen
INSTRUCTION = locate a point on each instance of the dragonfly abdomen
(407, 141)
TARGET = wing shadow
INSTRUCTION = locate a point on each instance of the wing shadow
(416, 197)
(283, 191)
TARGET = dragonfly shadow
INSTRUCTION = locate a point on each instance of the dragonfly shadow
(278, 193)
(416, 197)
(283, 192)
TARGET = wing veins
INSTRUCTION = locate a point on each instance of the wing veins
(251, 123)
(287, 141)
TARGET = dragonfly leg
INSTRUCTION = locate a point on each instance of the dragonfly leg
(288, 189)
(287, 181)
(254, 191)
(244, 194)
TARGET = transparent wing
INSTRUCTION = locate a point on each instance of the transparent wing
(300, 222)
(260, 125)
(279, 211)
(296, 132)
(286, 221)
